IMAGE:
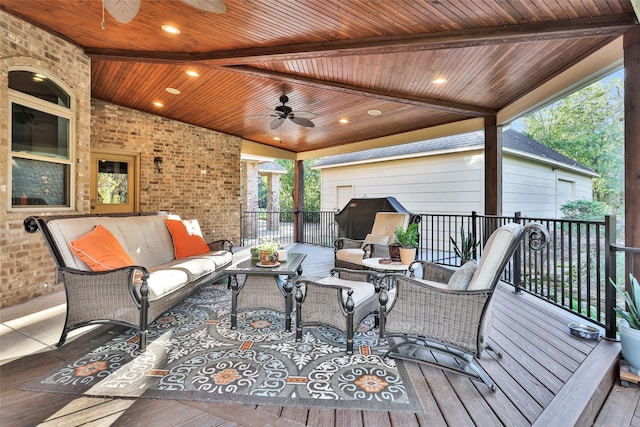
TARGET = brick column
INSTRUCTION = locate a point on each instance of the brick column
(273, 201)
(250, 197)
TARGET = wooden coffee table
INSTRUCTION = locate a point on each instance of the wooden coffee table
(268, 287)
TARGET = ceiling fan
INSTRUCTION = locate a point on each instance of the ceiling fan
(284, 112)
(125, 10)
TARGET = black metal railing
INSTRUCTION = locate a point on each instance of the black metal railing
(571, 272)
(618, 272)
(320, 227)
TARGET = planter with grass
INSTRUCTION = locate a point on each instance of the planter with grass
(629, 325)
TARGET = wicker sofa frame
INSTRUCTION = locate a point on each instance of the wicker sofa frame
(120, 296)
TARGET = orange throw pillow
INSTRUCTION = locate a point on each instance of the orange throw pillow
(187, 238)
(100, 250)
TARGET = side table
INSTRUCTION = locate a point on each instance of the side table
(374, 264)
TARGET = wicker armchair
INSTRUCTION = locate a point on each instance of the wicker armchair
(341, 301)
(427, 321)
(349, 253)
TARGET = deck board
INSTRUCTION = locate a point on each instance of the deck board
(450, 406)
(540, 357)
(537, 370)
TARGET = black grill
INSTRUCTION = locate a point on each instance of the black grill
(356, 219)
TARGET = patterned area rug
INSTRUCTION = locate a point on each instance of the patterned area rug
(193, 354)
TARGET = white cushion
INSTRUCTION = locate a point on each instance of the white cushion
(164, 281)
(376, 239)
(493, 255)
(145, 238)
(352, 255)
(432, 283)
(361, 290)
(386, 223)
(199, 265)
(461, 278)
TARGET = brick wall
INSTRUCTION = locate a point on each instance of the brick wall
(213, 197)
(26, 267)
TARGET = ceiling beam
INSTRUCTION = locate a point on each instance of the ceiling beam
(531, 32)
(437, 104)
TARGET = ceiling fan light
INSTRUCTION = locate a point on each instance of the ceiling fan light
(170, 29)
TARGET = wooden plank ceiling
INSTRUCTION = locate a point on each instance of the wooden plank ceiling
(335, 58)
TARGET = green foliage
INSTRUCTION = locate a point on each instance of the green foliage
(584, 210)
(263, 191)
(407, 238)
(468, 245)
(311, 185)
(268, 245)
(588, 126)
(632, 300)
(113, 188)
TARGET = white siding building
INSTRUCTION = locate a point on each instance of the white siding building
(446, 176)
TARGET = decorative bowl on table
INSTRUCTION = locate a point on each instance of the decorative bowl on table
(268, 258)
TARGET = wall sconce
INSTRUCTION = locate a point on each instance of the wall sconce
(157, 162)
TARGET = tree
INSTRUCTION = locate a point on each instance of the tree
(588, 126)
(311, 186)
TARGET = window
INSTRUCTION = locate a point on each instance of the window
(41, 149)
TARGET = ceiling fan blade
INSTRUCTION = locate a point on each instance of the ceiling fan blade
(302, 121)
(122, 10)
(276, 123)
(304, 115)
(215, 6)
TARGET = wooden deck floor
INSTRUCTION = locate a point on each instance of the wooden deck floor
(545, 377)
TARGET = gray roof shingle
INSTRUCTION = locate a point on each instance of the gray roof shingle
(510, 139)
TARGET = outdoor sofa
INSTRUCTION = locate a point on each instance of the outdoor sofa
(128, 269)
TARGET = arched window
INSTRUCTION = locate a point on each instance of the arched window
(41, 131)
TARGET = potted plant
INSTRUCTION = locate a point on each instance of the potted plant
(467, 249)
(268, 252)
(629, 324)
(408, 241)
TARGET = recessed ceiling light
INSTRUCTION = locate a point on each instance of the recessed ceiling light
(374, 112)
(439, 81)
(173, 90)
(343, 121)
(193, 73)
(276, 138)
(158, 104)
(170, 29)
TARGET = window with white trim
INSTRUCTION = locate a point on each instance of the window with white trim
(41, 131)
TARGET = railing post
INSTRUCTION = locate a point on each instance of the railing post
(610, 240)
(517, 261)
(474, 230)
